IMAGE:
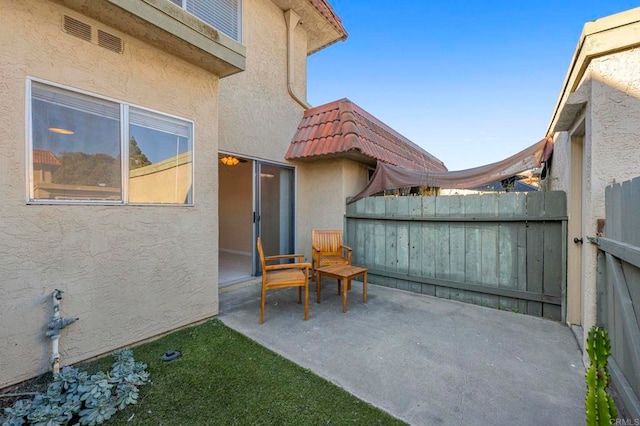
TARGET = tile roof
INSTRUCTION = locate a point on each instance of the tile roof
(342, 127)
(45, 157)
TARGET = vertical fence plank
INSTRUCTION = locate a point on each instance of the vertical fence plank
(391, 239)
(507, 249)
(614, 221)
(552, 255)
(629, 208)
(457, 246)
(378, 234)
(535, 249)
(402, 242)
(442, 245)
(428, 240)
(415, 242)
(489, 249)
(522, 263)
(473, 272)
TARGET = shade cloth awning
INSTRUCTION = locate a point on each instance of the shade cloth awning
(388, 176)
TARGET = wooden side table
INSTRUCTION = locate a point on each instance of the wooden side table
(344, 274)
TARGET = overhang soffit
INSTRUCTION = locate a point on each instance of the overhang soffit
(322, 31)
(169, 28)
(573, 106)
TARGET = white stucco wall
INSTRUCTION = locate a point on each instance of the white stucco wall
(611, 86)
(129, 273)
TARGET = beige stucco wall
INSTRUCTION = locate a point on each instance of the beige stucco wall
(325, 185)
(610, 89)
(270, 116)
(558, 179)
(128, 273)
(258, 117)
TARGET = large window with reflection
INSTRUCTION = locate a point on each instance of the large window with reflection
(77, 149)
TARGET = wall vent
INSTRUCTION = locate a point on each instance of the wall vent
(96, 36)
(77, 28)
(109, 41)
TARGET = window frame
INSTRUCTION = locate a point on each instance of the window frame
(183, 6)
(124, 108)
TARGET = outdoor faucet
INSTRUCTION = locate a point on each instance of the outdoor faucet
(56, 324)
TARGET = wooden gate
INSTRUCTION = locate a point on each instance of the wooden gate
(505, 251)
(619, 288)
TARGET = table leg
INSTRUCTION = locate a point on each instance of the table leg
(318, 285)
(364, 288)
(344, 296)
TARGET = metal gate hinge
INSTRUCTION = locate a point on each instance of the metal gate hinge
(592, 240)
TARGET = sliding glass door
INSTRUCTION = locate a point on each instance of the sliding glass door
(274, 212)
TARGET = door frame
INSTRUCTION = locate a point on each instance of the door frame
(575, 212)
(258, 211)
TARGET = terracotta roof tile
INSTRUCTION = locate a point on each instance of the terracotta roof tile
(341, 126)
(45, 157)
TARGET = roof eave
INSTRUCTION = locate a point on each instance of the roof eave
(604, 36)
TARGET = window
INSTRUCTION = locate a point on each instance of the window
(77, 149)
(224, 15)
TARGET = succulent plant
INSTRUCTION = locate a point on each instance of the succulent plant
(600, 407)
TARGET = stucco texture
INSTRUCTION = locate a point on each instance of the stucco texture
(611, 89)
(129, 273)
(325, 186)
(258, 117)
(268, 119)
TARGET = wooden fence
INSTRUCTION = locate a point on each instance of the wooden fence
(619, 288)
(505, 251)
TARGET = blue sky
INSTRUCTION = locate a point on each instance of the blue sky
(472, 82)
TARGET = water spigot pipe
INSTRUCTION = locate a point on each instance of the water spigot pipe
(56, 324)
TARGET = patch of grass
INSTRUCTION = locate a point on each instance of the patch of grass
(224, 378)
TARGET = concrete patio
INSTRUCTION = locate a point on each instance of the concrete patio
(425, 360)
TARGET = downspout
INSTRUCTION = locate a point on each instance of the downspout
(292, 19)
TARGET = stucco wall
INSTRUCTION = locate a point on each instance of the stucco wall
(611, 150)
(258, 117)
(128, 273)
(558, 179)
(269, 115)
(325, 185)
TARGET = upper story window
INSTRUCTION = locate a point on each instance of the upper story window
(223, 15)
(77, 147)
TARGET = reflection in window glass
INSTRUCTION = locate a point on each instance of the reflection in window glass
(160, 159)
(76, 146)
